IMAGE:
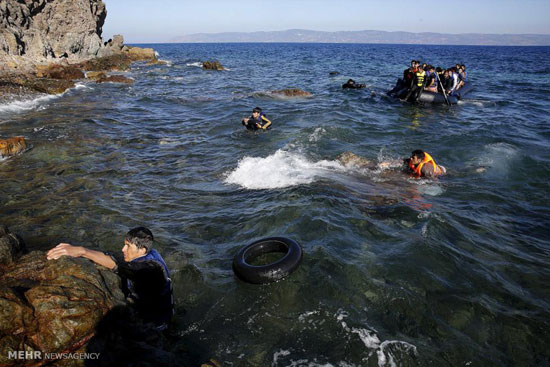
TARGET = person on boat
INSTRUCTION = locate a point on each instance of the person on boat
(432, 80)
(145, 277)
(453, 73)
(408, 74)
(446, 83)
(351, 84)
(257, 120)
(421, 164)
(461, 76)
(419, 82)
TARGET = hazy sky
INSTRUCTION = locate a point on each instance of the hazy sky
(162, 20)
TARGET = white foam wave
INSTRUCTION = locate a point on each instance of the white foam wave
(27, 104)
(197, 64)
(372, 342)
(281, 169)
(157, 55)
(317, 134)
(497, 159)
(81, 85)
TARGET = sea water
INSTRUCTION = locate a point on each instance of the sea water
(396, 271)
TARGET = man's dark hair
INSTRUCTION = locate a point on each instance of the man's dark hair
(141, 237)
(418, 153)
(438, 69)
(257, 109)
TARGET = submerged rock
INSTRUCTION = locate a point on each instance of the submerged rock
(12, 146)
(50, 306)
(351, 159)
(212, 65)
(292, 92)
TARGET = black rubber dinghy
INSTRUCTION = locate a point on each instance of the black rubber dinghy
(262, 274)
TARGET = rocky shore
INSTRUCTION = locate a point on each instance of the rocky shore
(47, 46)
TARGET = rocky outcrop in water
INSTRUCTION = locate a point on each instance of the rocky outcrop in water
(51, 29)
(212, 65)
(350, 159)
(9, 147)
(292, 92)
(49, 306)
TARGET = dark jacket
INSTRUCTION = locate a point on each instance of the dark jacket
(147, 285)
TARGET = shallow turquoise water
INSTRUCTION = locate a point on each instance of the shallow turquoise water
(396, 271)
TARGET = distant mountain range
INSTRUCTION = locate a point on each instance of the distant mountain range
(307, 36)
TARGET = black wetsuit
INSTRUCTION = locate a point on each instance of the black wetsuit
(419, 82)
(447, 83)
(408, 77)
(147, 285)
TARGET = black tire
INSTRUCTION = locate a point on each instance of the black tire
(270, 272)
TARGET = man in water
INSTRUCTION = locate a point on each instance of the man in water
(257, 121)
(351, 84)
(145, 277)
(421, 164)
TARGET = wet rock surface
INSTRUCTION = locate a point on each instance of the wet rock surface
(351, 159)
(49, 306)
(212, 65)
(292, 92)
(114, 79)
(10, 147)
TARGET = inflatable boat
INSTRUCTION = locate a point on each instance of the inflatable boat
(431, 97)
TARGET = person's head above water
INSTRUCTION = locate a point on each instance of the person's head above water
(137, 242)
(256, 112)
(417, 156)
(350, 81)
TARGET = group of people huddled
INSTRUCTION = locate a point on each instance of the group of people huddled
(423, 77)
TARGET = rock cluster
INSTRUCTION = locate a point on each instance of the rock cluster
(49, 306)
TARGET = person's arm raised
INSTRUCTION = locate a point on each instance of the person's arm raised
(65, 249)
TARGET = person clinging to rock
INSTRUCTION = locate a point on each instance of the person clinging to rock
(257, 120)
(145, 277)
(421, 164)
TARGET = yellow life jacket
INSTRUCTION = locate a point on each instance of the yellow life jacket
(420, 76)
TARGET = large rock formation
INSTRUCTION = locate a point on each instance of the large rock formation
(51, 28)
(49, 306)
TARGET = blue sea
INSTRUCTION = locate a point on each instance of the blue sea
(396, 271)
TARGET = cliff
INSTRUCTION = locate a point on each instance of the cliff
(43, 29)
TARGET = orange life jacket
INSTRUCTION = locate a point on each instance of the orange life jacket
(417, 171)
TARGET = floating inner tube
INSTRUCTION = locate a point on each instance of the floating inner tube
(261, 274)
